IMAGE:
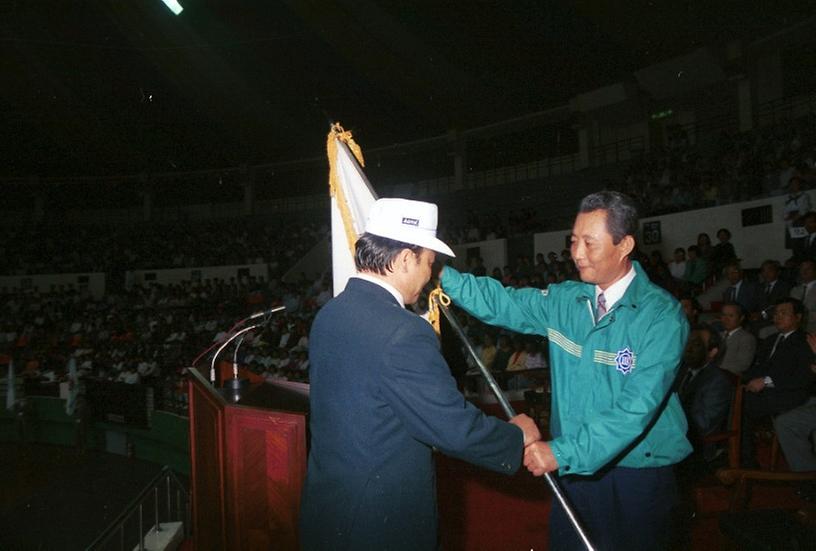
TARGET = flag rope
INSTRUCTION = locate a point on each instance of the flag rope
(337, 133)
(435, 298)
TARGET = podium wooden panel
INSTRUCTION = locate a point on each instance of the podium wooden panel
(248, 464)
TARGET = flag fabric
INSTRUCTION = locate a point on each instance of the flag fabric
(73, 386)
(351, 198)
(10, 386)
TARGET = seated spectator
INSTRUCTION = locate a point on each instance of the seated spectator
(677, 266)
(797, 204)
(806, 292)
(723, 252)
(706, 391)
(503, 353)
(488, 351)
(772, 288)
(804, 248)
(535, 359)
(704, 248)
(696, 269)
(692, 309)
(129, 376)
(738, 345)
(781, 376)
(518, 359)
(796, 430)
(740, 290)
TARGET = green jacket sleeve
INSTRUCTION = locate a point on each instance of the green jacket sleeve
(519, 310)
(609, 432)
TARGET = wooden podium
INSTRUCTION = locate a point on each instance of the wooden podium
(248, 464)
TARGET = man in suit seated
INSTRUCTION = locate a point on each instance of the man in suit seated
(806, 292)
(772, 288)
(382, 398)
(739, 346)
(780, 378)
(804, 248)
(740, 290)
(705, 391)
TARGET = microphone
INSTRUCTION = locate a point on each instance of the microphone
(232, 333)
(263, 313)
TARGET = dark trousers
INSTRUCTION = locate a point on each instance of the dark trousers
(756, 407)
(627, 509)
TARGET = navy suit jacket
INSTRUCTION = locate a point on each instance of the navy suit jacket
(789, 368)
(749, 296)
(381, 397)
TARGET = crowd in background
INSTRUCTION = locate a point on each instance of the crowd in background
(739, 166)
(51, 247)
(148, 333)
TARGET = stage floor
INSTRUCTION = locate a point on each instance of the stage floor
(51, 497)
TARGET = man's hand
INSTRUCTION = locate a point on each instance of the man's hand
(528, 427)
(811, 340)
(755, 385)
(539, 458)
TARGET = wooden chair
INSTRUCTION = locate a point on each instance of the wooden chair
(732, 434)
(742, 479)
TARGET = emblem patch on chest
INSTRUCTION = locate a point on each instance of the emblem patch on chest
(625, 361)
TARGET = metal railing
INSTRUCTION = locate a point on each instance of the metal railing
(164, 500)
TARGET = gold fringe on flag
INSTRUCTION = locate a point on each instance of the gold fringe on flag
(337, 133)
(435, 298)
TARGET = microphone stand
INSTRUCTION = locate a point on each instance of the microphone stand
(224, 345)
(510, 413)
(233, 333)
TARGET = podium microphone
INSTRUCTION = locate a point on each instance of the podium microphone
(263, 313)
(234, 332)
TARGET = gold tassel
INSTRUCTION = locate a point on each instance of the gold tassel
(337, 133)
(435, 298)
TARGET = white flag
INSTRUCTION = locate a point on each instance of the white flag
(351, 198)
(10, 386)
(73, 387)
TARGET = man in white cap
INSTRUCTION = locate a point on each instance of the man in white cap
(382, 397)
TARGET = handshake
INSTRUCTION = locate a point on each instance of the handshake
(538, 456)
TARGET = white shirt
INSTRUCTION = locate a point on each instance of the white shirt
(385, 285)
(677, 269)
(615, 292)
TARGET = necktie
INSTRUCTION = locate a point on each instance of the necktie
(733, 295)
(779, 340)
(601, 310)
(768, 289)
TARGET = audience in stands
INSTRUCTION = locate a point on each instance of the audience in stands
(148, 333)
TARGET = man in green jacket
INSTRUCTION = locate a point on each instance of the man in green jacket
(616, 341)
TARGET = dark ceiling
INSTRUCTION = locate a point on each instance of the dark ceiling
(100, 87)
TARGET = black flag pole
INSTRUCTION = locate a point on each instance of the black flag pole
(510, 413)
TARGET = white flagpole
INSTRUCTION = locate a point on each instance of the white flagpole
(10, 388)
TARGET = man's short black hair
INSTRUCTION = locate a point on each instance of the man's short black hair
(740, 308)
(798, 305)
(377, 254)
(621, 212)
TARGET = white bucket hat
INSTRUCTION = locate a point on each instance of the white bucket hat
(412, 222)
